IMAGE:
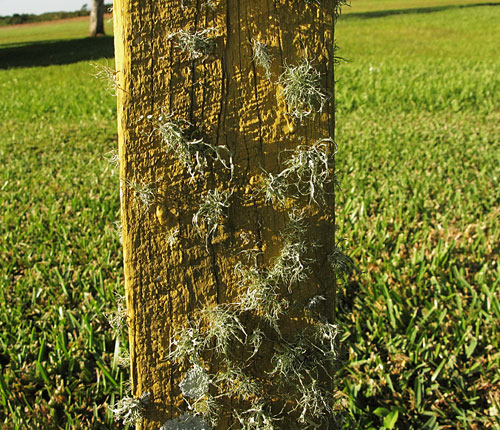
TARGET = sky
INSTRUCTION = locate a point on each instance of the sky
(10, 7)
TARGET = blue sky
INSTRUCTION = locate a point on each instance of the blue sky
(10, 7)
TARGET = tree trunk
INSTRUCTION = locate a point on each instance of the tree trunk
(96, 27)
(227, 232)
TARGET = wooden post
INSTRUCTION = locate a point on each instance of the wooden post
(190, 79)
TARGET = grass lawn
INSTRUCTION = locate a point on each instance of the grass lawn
(419, 135)
(419, 165)
(60, 254)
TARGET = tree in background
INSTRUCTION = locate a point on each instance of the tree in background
(96, 18)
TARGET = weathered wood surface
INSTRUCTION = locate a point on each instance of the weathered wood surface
(230, 99)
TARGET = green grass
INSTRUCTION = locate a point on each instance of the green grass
(61, 259)
(419, 132)
(418, 129)
(47, 31)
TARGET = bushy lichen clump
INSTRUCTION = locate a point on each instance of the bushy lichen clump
(296, 378)
(118, 317)
(197, 44)
(144, 193)
(130, 410)
(186, 422)
(307, 172)
(302, 89)
(211, 212)
(262, 57)
(109, 75)
(184, 143)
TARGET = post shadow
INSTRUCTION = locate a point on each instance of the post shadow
(57, 52)
(410, 11)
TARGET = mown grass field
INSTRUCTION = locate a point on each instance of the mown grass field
(60, 255)
(419, 132)
(419, 164)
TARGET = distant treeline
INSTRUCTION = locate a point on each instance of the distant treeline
(26, 18)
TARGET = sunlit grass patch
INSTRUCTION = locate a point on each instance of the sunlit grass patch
(418, 131)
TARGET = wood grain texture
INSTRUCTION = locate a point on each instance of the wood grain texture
(229, 98)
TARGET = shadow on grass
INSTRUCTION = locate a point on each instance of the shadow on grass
(47, 53)
(419, 10)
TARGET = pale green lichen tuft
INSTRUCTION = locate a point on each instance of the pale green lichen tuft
(182, 141)
(197, 44)
(307, 173)
(130, 410)
(210, 213)
(222, 326)
(196, 382)
(144, 193)
(302, 89)
(262, 57)
(108, 75)
(186, 422)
